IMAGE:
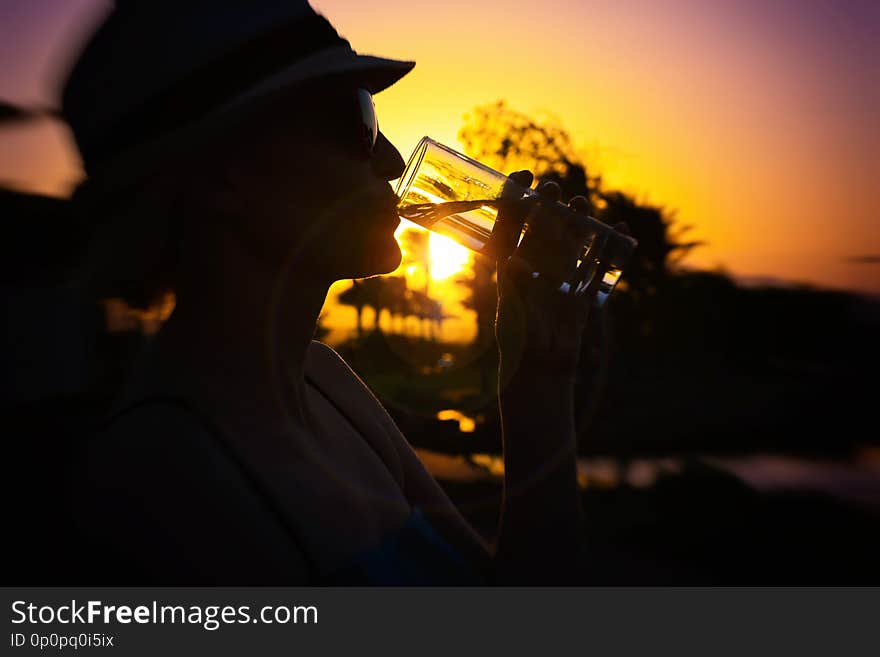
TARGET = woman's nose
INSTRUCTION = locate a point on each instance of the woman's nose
(387, 161)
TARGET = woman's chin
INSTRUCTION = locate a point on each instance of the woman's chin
(389, 259)
(379, 260)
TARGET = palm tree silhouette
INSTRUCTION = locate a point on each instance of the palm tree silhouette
(360, 296)
(482, 297)
(428, 311)
(379, 293)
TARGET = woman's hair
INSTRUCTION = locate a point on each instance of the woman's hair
(133, 252)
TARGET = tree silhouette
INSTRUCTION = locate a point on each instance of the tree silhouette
(428, 311)
(508, 140)
(650, 265)
(363, 294)
(482, 297)
(357, 298)
(393, 296)
(379, 293)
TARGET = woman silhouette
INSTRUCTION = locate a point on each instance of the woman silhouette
(236, 150)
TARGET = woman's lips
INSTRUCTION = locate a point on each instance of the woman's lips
(393, 215)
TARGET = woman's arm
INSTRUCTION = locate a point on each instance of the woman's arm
(541, 530)
(541, 534)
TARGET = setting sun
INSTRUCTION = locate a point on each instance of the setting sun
(447, 257)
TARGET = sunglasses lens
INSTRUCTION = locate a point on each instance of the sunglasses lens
(368, 117)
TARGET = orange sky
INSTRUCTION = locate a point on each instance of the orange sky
(756, 121)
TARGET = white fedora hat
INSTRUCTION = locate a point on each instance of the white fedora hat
(159, 74)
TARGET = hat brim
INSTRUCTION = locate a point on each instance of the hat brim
(373, 73)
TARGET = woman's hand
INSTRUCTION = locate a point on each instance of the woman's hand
(538, 326)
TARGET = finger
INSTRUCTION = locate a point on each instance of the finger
(549, 243)
(509, 223)
(556, 235)
(544, 223)
(523, 177)
(516, 275)
(581, 224)
(550, 191)
(545, 218)
(581, 204)
(551, 240)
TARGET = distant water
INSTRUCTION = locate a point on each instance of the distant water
(856, 480)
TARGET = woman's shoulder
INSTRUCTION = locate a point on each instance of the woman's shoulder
(329, 370)
(322, 358)
(331, 375)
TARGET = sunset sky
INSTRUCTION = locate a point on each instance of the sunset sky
(758, 122)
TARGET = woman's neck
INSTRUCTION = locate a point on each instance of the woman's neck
(236, 316)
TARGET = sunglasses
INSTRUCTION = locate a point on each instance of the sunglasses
(367, 123)
(346, 116)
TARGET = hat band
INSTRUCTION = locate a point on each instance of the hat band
(207, 88)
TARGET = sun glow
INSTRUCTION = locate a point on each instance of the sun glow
(447, 257)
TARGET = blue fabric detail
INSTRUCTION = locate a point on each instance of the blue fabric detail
(415, 556)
